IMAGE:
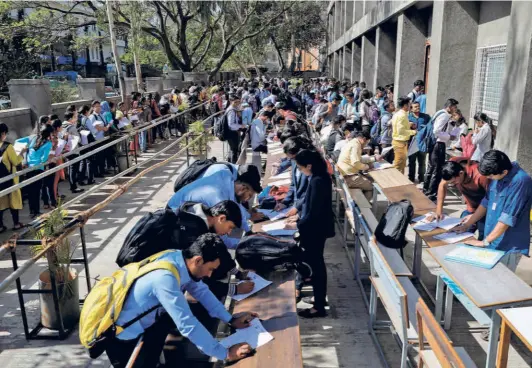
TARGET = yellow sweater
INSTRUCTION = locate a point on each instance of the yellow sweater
(351, 161)
(401, 126)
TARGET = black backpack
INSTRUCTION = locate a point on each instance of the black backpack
(392, 227)
(221, 127)
(3, 169)
(153, 233)
(195, 170)
(263, 253)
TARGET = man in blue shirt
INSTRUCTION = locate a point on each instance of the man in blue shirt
(161, 288)
(221, 186)
(506, 208)
(420, 119)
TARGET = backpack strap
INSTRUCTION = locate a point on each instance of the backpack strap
(146, 268)
(4, 148)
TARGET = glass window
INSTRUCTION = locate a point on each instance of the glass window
(489, 75)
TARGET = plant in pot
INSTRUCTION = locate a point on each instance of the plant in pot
(197, 128)
(66, 278)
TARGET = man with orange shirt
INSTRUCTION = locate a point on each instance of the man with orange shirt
(464, 176)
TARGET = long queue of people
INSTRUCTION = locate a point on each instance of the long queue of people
(54, 136)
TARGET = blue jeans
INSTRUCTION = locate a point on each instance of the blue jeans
(478, 226)
(142, 141)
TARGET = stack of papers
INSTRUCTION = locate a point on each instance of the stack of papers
(277, 229)
(285, 175)
(278, 183)
(255, 335)
(480, 257)
(260, 284)
(18, 147)
(274, 215)
(447, 223)
(381, 165)
(452, 237)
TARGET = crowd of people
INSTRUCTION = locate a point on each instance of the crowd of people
(86, 125)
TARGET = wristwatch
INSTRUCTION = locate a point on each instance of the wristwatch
(486, 243)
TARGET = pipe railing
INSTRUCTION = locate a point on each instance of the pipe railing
(122, 136)
(11, 243)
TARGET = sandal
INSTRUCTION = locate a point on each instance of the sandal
(18, 226)
(3, 229)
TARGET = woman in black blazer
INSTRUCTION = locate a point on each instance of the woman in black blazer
(315, 224)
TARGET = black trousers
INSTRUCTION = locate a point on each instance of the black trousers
(433, 175)
(34, 192)
(233, 140)
(418, 159)
(119, 351)
(313, 255)
(73, 173)
(14, 216)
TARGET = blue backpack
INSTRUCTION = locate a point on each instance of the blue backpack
(426, 139)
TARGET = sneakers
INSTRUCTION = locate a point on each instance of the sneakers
(77, 190)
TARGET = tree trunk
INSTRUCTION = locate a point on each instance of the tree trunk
(282, 65)
(242, 67)
(118, 64)
(253, 59)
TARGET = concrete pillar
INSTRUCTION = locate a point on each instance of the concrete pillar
(384, 55)
(31, 93)
(343, 15)
(514, 136)
(368, 60)
(348, 61)
(342, 63)
(337, 65)
(91, 88)
(349, 12)
(452, 54)
(358, 10)
(130, 84)
(196, 77)
(356, 53)
(154, 84)
(337, 20)
(410, 52)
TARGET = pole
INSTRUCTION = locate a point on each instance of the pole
(116, 56)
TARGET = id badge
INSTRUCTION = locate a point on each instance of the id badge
(494, 206)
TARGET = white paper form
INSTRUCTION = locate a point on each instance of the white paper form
(285, 175)
(61, 143)
(277, 229)
(424, 226)
(448, 223)
(73, 142)
(385, 150)
(18, 147)
(278, 183)
(260, 284)
(452, 237)
(255, 335)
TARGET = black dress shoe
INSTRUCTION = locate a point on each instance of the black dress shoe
(307, 313)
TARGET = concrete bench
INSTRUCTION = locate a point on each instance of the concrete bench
(398, 297)
(442, 353)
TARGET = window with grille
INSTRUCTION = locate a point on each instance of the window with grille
(489, 74)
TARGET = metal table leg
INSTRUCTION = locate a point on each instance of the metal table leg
(448, 309)
(374, 200)
(494, 339)
(417, 259)
(440, 285)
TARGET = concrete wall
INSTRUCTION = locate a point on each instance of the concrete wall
(494, 23)
(18, 121)
(386, 36)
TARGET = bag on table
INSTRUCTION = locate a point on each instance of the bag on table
(278, 192)
(263, 253)
(391, 229)
(102, 307)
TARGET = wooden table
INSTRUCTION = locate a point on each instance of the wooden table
(389, 178)
(489, 290)
(420, 202)
(276, 306)
(516, 320)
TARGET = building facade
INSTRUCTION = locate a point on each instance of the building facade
(476, 52)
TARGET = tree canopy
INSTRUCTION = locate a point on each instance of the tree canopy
(191, 35)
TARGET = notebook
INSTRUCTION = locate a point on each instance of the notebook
(475, 256)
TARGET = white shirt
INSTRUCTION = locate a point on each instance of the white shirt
(464, 129)
(482, 142)
(340, 144)
(325, 133)
(442, 128)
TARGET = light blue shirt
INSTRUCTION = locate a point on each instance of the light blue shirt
(215, 168)
(91, 125)
(209, 191)
(247, 115)
(509, 201)
(422, 99)
(39, 156)
(161, 287)
(233, 120)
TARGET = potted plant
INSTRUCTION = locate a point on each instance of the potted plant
(197, 128)
(59, 264)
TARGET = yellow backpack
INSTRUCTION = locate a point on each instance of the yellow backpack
(104, 303)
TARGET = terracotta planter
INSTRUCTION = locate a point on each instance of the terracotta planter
(68, 301)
